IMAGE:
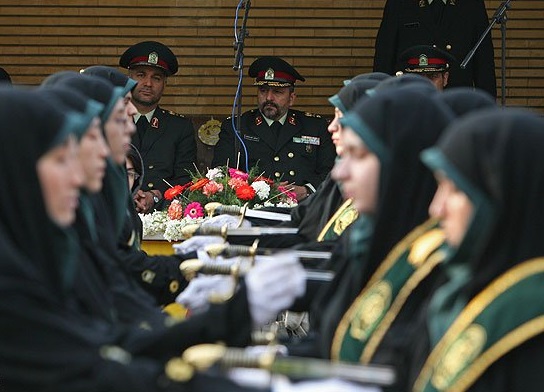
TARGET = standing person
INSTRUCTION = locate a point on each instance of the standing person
(286, 144)
(451, 25)
(165, 139)
(428, 61)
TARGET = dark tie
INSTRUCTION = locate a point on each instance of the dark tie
(437, 8)
(275, 128)
(141, 126)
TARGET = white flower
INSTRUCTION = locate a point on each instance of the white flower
(154, 223)
(262, 189)
(214, 173)
(172, 230)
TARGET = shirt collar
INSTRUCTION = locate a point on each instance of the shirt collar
(443, 1)
(281, 120)
(148, 115)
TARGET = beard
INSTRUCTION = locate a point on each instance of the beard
(148, 102)
(271, 110)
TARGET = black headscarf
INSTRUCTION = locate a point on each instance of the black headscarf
(350, 94)
(494, 156)
(31, 126)
(114, 76)
(397, 125)
(463, 100)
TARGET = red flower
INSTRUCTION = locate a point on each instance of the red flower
(245, 192)
(194, 210)
(171, 193)
(199, 184)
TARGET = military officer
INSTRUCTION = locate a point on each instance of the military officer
(165, 139)
(428, 61)
(452, 25)
(286, 144)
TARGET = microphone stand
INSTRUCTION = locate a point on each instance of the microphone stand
(501, 18)
(238, 66)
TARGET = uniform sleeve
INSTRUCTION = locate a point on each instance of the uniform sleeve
(185, 155)
(326, 155)
(224, 149)
(483, 60)
(385, 56)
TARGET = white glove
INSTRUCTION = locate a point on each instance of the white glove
(282, 384)
(273, 284)
(196, 242)
(196, 295)
(230, 220)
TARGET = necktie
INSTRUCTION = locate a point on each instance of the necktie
(141, 126)
(275, 128)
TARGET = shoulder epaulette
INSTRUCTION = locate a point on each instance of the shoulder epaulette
(172, 113)
(308, 114)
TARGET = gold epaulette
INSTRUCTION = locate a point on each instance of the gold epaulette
(173, 113)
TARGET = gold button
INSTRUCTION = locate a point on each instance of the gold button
(174, 286)
(448, 47)
(292, 173)
(150, 185)
(276, 159)
(277, 174)
(151, 167)
(290, 155)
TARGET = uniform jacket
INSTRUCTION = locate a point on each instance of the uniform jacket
(406, 23)
(168, 150)
(303, 153)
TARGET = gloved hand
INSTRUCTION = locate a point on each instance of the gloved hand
(282, 384)
(273, 284)
(196, 295)
(230, 220)
(197, 242)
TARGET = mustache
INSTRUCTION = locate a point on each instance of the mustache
(265, 103)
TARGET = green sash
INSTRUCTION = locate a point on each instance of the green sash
(366, 322)
(501, 317)
(342, 218)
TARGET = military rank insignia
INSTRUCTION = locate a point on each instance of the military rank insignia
(292, 120)
(154, 122)
(258, 120)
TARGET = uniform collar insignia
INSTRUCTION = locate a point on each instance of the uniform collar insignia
(258, 120)
(292, 120)
(155, 122)
(153, 58)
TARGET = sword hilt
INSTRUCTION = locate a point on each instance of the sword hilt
(192, 230)
(189, 269)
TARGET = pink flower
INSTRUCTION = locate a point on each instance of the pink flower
(194, 210)
(284, 190)
(175, 210)
(235, 173)
(236, 183)
(211, 188)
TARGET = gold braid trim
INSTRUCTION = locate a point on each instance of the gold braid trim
(472, 310)
(379, 332)
(510, 341)
(385, 266)
(338, 213)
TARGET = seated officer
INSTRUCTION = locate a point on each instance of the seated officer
(286, 144)
(165, 139)
(428, 61)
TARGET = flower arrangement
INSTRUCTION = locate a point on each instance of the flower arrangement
(222, 184)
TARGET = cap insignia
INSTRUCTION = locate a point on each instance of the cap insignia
(269, 75)
(153, 58)
(423, 60)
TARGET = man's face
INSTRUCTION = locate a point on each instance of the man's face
(274, 102)
(151, 82)
(439, 79)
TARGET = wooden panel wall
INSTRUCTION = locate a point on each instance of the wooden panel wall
(328, 41)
